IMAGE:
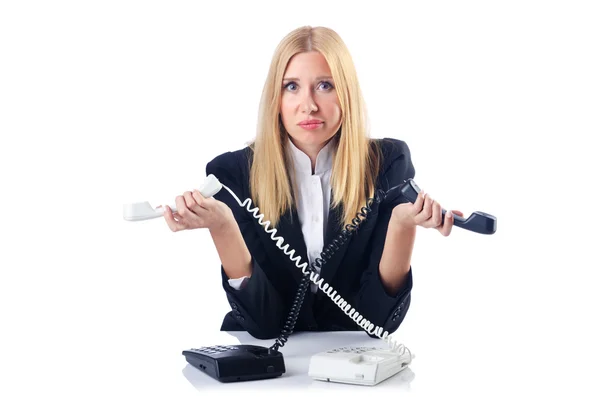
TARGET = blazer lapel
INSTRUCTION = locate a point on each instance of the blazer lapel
(291, 230)
(332, 232)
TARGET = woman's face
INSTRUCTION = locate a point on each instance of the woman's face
(308, 93)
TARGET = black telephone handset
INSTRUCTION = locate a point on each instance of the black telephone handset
(236, 362)
(478, 222)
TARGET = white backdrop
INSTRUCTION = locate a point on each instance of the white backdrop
(106, 103)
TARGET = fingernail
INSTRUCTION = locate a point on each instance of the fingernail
(449, 214)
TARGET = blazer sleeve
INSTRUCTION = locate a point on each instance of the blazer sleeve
(257, 307)
(373, 302)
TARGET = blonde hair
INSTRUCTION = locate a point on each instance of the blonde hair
(356, 157)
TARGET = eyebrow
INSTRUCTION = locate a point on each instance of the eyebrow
(297, 79)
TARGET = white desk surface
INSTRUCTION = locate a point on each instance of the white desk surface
(297, 353)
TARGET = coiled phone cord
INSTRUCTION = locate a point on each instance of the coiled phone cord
(290, 322)
(345, 234)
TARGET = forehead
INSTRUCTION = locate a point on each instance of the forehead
(307, 65)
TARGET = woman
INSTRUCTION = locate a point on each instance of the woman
(310, 170)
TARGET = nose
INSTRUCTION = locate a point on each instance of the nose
(308, 104)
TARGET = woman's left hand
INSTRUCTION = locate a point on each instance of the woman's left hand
(424, 212)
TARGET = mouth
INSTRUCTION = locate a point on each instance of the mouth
(310, 126)
(310, 122)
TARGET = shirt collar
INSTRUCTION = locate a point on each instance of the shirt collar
(302, 163)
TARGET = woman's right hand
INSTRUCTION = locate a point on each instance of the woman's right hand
(425, 212)
(197, 212)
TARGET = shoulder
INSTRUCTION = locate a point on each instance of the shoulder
(393, 148)
(232, 170)
(392, 151)
(233, 163)
(395, 161)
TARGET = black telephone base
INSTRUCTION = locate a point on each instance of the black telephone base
(236, 363)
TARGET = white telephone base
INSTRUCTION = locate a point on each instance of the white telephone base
(357, 365)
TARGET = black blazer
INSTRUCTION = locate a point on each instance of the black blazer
(262, 305)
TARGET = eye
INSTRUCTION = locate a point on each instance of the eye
(326, 83)
(288, 84)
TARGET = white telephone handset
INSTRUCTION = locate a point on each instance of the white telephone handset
(142, 211)
(357, 365)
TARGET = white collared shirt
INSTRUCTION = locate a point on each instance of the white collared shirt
(314, 194)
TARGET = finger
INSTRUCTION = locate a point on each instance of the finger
(174, 225)
(166, 206)
(436, 215)
(176, 216)
(459, 213)
(192, 204)
(426, 212)
(203, 202)
(435, 221)
(448, 222)
(418, 204)
(189, 200)
(182, 208)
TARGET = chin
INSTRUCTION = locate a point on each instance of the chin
(312, 137)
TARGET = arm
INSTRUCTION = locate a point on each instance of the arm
(257, 307)
(384, 295)
(386, 284)
(235, 257)
(395, 260)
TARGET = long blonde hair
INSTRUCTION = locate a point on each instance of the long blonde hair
(356, 157)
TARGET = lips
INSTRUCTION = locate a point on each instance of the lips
(310, 122)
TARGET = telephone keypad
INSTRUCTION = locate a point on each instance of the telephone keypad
(352, 349)
(210, 350)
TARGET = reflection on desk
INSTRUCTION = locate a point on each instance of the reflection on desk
(300, 347)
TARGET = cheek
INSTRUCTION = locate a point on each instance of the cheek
(286, 109)
(334, 111)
